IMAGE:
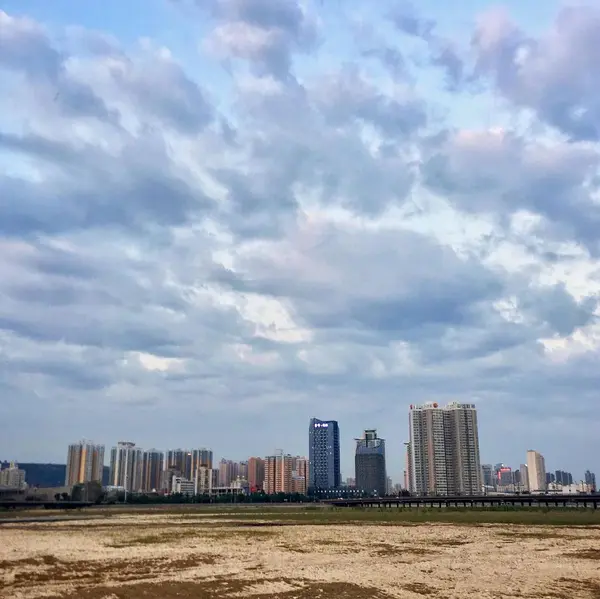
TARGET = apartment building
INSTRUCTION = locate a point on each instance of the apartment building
(85, 463)
(256, 474)
(126, 466)
(299, 475)
(152, 470)
(443, 451)
(278, 474)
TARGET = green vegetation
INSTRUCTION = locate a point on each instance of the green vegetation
(410, 516)
(264, 515)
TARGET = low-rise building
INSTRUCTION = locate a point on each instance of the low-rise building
(182, 485)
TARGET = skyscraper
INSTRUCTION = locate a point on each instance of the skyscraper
(85, 463)
(126, 466)
(152, 469)
(487, 472)
(536, 471)
(369, 464)
(462, 444)
(179, 461)
(428, 467)
(524, 470)
(444, 450)
(201, 458)
(324, 455)
(590, 479)
(228, 472)
(562, 477)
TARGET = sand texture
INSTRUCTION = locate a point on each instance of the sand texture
(172, 556)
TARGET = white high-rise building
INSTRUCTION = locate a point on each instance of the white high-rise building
(524, 470)
(12, 477)
(126, 466)
(203, 481)
(443, 452)
(536, 471)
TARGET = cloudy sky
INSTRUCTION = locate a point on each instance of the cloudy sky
(220, 218)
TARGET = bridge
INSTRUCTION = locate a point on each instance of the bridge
(583, 500)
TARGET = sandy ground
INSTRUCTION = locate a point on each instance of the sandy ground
(163, 557)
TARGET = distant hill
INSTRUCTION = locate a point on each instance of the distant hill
(48, 475)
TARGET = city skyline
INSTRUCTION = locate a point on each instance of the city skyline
(351, 208)
(187, 459)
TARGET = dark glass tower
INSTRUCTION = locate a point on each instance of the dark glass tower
(323, 455)
(369, 462)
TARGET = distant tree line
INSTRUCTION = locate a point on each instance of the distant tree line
(142, 498)
(94, 493)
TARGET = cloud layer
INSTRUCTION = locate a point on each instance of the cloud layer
(300, 226)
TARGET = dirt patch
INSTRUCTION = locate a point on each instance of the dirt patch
(220, 588)
(585, 554)
(537, 534)
(29, 561)
(169, 536)
(400, 551)
(582, 589)
(448, 543)
(95, 572)
(420, 588)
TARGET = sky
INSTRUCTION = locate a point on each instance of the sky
(220, 218)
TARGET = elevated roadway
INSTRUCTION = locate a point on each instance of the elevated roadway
(583, 500)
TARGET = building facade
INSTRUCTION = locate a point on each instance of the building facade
(85, 463)
(561, 477)
(229, 471)
(203, 481)
(152, 469)
(178, 460)
(126, 466)
(12, 477)
(487, 473)
(536, 471)
(278, 474)
(324, 470)
(369, 464)
(462, 442)
(299, 475)
(443, 450)
(201, 458)
(524, 475)
(182, 485)
(256, 474)
(590, 479)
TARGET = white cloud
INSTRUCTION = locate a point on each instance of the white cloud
(185, 266)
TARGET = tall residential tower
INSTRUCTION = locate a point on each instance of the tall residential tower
(444, 450)
(85, 463)
(126, 466)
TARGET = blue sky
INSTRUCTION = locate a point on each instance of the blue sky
(219, 219)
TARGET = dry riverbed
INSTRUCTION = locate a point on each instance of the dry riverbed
(167, 556)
